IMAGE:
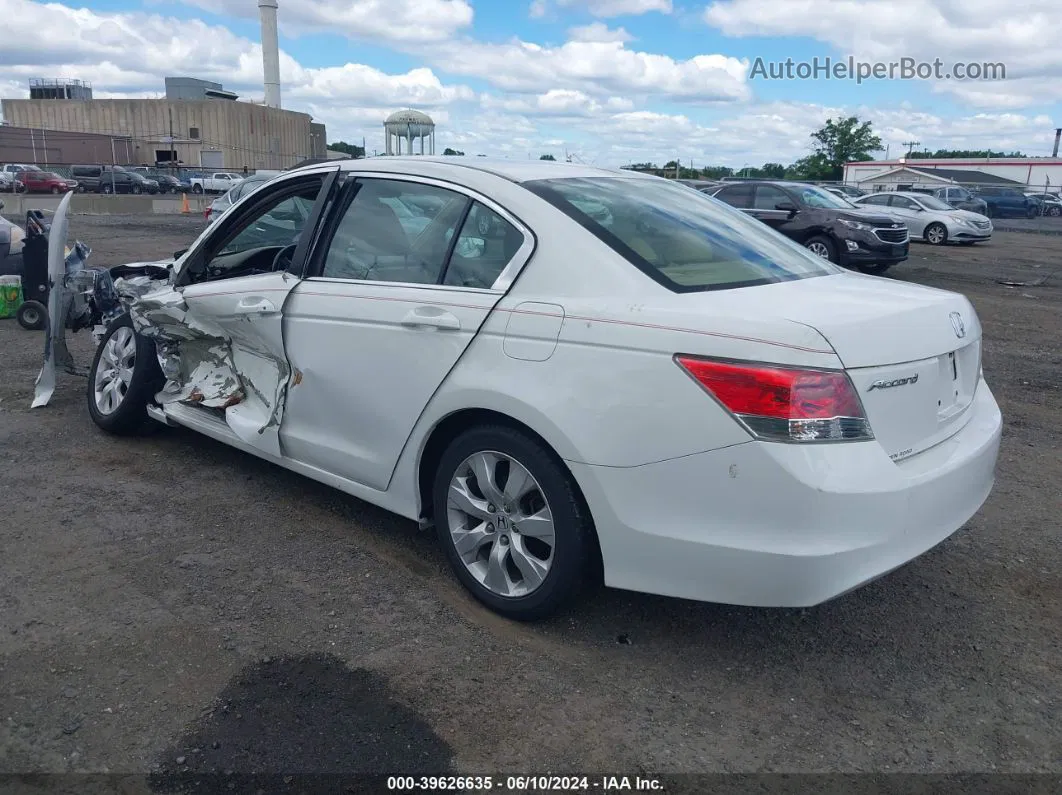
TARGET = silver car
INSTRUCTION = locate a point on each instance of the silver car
(930, 218)
(234, 194)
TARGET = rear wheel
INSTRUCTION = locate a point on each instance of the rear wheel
(197, 189)
(822, 246)
(123, 380)
(512, 522)
(1032, 212)
(936, 234)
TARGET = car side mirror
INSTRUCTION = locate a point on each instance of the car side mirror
(787, 207)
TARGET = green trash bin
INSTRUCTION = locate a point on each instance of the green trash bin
(10, 295)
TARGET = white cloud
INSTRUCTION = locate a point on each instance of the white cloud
(955, 31)
(596, 67)
(599, 32)
(557, 102)
(617, 8)
(376, 20)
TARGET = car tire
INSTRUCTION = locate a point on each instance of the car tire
(936, 234)
(822, 246)
(107, 189)
(125, 414)
(531, 578)
(32, 315)
(1032, 212)
(197, 189)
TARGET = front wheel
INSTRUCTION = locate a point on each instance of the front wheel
(936, 234)
(197, 189)
(55, 190)
(512, 522)
(1054, 211)
(822, 246)
(124, 378)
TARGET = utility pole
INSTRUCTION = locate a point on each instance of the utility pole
(911, 145)
(173, 150)
(114, 162)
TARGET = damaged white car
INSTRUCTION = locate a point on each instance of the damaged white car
(662, 388)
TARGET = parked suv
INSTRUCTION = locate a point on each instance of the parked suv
(126, 182)
(823, 222)
(961, 199)
(90, 178)
(1003, 202)
(45, 182)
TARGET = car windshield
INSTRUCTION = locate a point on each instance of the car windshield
(933, 203)
(684, 240)
(822, 199)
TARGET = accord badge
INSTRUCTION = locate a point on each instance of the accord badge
(883, 384)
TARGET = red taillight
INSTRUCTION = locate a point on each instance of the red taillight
(784, 403)
(206, 214)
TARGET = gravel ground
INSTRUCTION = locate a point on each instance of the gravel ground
(169, 606)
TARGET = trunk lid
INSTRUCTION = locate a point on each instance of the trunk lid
(913, 352)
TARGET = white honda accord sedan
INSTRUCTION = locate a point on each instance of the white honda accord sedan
(567, 370)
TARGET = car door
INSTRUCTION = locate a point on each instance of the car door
(909, 212)
(232, 287)
(738, 195)
(765, 202)
(388, 307)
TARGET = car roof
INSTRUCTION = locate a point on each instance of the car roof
(512, 170)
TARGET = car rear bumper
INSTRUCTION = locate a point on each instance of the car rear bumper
(778, 525)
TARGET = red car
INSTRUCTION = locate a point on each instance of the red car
(45, 182)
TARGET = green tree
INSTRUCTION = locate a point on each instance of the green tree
(839, 142)
(350, 149)
(813, 167)
(773, 171)
(547, 157)
(449, 151)
(716, 172)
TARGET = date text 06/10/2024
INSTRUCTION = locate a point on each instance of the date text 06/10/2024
(523, 784)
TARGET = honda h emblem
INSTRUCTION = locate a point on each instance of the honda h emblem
(958, 325)
(501, 522)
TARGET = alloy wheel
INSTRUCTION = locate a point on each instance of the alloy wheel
(935, 234)
(114, 373)
(501, 524)
(819, 249)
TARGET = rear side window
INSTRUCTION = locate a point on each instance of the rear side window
(737, 196)
(685, 241)
(484, 247)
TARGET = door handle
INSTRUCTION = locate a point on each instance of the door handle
(431, 317)
(255, 306)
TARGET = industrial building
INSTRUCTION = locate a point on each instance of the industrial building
(199, 123)
(1032, 173)
(214, 131)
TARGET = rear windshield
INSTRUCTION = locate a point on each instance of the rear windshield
(683, 239)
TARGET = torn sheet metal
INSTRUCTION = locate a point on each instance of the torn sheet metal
(54, 331)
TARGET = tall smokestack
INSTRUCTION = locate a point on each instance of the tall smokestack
(267, 10)
(1058, 136)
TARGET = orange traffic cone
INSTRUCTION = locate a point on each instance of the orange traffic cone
(185, 207)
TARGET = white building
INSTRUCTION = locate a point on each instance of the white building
(1032, 173)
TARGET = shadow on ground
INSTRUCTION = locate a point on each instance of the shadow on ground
(301, 724)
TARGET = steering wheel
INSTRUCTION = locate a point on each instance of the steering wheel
(286, 253)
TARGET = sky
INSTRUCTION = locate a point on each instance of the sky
(607, 82)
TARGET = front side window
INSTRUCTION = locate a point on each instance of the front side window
(257, 243)
(683, 241)
(768, 197)
(395, 231)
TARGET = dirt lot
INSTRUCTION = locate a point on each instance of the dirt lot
(168, 605)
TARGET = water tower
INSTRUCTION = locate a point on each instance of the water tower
(408, 125)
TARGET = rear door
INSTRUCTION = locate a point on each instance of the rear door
(393, 299)
(234, 285)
